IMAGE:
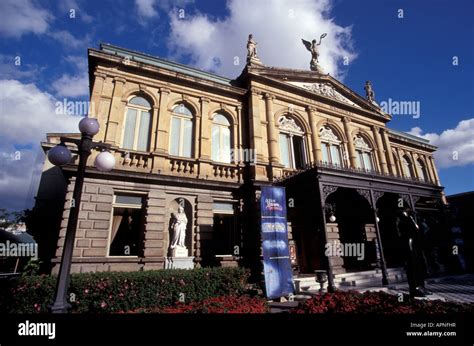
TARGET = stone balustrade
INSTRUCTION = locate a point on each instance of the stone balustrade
(227, 172)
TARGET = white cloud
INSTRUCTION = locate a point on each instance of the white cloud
(146, 8)
(68, 5)
(277, 25)
(27, 115)
(73, 85)
(455, 146)
(19, 17)
(12, 68)
(70, 41)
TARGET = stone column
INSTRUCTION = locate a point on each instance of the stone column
(96, 92)
(199, 142)
(429, 169)
(162, 132)
(163, 124)
(204, 154)
(234, 143)
(350, 142)
(315, 134)
(413, 162)
(400, 165)
(239, 140)
(156, 236)
(380, 151)
(204, 232)
(388, 148)
(205, 149)
(433, 167)
(273, 153)
(259, 168)
(95, 110)
(415, 166)
(255, 125)
(114, 116)
(154, 128)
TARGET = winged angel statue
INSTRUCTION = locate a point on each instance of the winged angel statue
(313, 48)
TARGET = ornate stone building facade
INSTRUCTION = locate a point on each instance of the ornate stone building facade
(184, 137)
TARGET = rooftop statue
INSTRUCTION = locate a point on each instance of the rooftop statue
(313, 48)
(251, 48)
(369, 92)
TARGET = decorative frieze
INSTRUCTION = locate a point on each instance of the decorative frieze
(327, 90)
(326, 134)
(364, 193)
(289, 124)
(377, 195)
(360, 143)
(327, 190)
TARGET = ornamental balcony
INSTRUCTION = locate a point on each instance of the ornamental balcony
(133, 161)
(330, 168)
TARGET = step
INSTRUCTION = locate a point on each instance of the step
(370, 272)
(355, 279)
(374, 277)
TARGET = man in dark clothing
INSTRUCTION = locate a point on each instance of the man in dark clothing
(409, 233)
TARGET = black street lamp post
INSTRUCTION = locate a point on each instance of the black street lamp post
(60, 155)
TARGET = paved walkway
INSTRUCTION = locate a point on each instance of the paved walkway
(459, 289)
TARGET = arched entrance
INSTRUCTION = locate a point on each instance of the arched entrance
(387, 208)
(353, 216)
(306, 222)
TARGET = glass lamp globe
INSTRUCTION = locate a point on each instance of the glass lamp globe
(60, 155)
(332, 218)
(105, 161)
(89, 126)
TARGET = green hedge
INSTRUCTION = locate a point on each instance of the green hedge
(123, 291)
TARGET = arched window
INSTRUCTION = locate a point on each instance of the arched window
(422, 172)
(181, 139)
(407, 167)
(330, 146)
(364, 154)
(220, 139)
(292, 145)
(136, 135)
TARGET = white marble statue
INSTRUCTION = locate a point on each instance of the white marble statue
(179, 228)
(313, 48)
(251, 48)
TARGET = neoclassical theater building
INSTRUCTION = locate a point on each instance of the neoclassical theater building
(182, 136)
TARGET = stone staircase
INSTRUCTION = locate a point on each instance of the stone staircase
(370, 278)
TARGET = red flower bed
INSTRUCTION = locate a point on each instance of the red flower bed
(218, 305)
(377, 302)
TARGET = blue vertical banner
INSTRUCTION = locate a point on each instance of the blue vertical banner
(276, 254)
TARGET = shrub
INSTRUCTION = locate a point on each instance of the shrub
(377, 302)
(216, 305)
(32, 267)
(123, 291)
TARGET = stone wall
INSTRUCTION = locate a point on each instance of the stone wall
(337, 262)
(93, 231)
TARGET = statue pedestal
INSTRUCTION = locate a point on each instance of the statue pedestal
(179, 263)
(254, 61)
(179, 259)
(180, 251)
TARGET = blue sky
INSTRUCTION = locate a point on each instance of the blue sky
(408, 57)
